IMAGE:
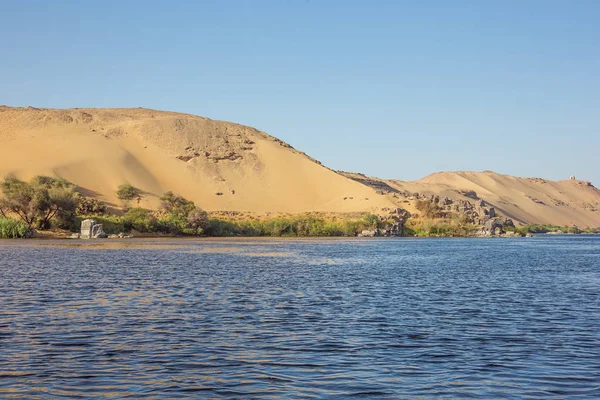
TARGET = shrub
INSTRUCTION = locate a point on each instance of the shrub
(298, 225)
(545, 228)
(141, 220)
(218, 227)
(181, 216)
(351, 227)
(12, 229)
(249, 228)
(126, 192)
(90, 206)
(371, 221)
(279, 226)
(438, 227)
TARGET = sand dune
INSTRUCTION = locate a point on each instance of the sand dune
(219, 165)
(526, 200)
(226, 166)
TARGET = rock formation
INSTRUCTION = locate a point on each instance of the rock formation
(91, 230)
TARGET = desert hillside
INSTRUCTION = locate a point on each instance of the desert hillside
(566, 202)
(219, 165)
(224, 166)
(525, 200)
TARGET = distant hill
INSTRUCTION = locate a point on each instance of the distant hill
(224, 166)
(525, 200)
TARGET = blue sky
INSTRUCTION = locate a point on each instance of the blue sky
(395, 89)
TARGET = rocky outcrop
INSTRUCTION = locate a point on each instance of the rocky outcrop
(497, 227)
(473, 212)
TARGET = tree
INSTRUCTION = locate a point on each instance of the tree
(20, 199)
(182, 215)
(126, 193)
(171, 202)
(38, 201)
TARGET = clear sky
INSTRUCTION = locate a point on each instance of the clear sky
(395, 89)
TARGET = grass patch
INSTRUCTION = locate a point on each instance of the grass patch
(438, 227)
(13, 229)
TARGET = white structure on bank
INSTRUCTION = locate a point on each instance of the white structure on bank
(91, 230)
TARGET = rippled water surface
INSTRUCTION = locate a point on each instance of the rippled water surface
(388, 318)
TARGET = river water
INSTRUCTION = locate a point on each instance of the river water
(275, 318)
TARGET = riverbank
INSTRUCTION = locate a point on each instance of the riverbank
(142, 223)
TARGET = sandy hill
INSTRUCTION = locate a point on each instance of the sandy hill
(219, 165)
(226, 166)
(525, 200)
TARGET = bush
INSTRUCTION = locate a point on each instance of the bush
(545, 228)
(351, 228)
(298, 225)
(438, 227)
(13, 229)
(126, 192)
(218, 227)
(141, 220)
(181, 216)
(371, 221)
(90, 206)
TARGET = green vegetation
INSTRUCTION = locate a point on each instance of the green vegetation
(198, 223)
(13, 229)
(46, 202)
(298, 225)
(126, 193)
(89, 206)
(181, 216)
(177, 216)
(438, 227)
(39, 201)
(545, 228)
(141, 220)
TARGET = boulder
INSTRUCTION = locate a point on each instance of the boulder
(491, 227)
(368, 233)
(444, 201)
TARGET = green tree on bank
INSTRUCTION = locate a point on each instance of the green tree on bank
(39, 201)
(182, 216)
